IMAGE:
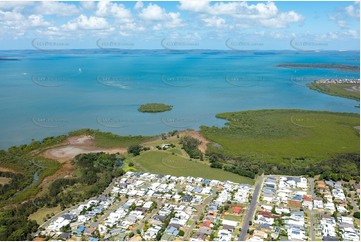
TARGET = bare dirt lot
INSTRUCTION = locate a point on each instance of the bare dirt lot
(65, 152)
(5, 169)
(195, 134)
(75, 146)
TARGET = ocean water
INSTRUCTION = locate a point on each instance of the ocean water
(51, 93)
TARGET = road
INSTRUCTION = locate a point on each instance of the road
(110, 210)
(312, 231)
(251, 209)
(355, 205)
(149, 216)
(200, 209)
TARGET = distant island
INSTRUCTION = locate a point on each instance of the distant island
(341, 67)
(154, 108)
(347, 88)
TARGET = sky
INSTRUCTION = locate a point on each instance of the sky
(240, 25)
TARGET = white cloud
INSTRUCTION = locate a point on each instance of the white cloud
(16, 24)
(282, 20)
(174, 20)
(263, 14)
(102, 8)
(10, 16)
(14, 5)
(138, 5)
(87, 5)
(50, 32)
(195, 6)
(57, 8)
(37, 21)
(345, 15)
(153, 13)
(352, 11)
(120, 12)
(214, 22)
(351, 33)
(114, 10)
(85, 23)
(341, 35)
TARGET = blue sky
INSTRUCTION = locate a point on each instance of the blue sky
(326, 25)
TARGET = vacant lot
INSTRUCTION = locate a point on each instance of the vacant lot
(39, 215)
(283, 135)
(162, 162)
(4, 180)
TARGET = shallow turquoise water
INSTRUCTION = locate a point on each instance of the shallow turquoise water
(48, 93)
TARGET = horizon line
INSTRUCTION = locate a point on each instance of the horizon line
(233, 50)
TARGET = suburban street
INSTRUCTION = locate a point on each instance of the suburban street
(149, 216)
(312, 231)
(251, 209)
(200, 211)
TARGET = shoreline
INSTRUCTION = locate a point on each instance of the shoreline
(345, 88)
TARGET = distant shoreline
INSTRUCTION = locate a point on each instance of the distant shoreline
(346, 88)
(341, 67)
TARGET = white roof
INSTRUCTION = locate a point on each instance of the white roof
(229, 223)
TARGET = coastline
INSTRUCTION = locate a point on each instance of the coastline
(345, 88)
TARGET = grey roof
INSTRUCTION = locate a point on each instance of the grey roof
(204, 230)
(330, 238)
(329, 183)
(64, 235)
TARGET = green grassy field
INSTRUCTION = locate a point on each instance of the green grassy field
(109, 140)
(232, 217)
(341, 90)
(281, 135)
(39, 215)
(161, 162)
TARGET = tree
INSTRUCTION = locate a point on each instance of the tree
(181, 233)
(273, 210)
(335, 215)
(347, 177)
(190, 145)
(334, 177)
(138, 231)
(134, 149)
(356, 215)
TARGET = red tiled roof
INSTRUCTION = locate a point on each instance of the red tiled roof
(237, 209)
(39, 239)
(267, 214)
(307, 198)
(206, 223)
(294, 204)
